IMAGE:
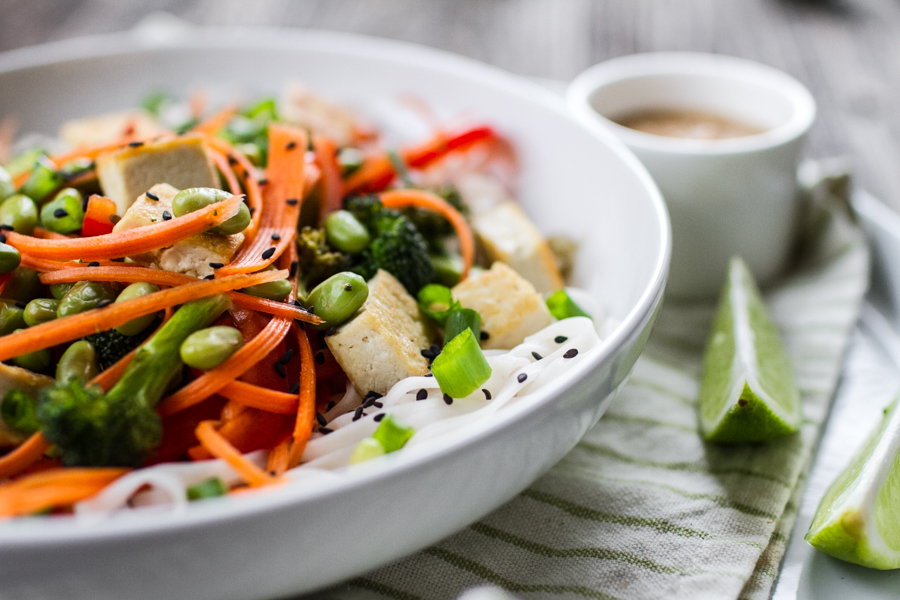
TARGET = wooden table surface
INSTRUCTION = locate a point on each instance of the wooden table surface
(846, 51)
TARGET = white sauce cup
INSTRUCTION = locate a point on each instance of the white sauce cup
(734, 196)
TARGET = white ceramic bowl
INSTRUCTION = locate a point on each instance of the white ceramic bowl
(574, 180)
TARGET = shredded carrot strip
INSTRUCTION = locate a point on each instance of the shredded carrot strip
(120, 274)
(281, 201)
(216, 122)
(45, 265)
(236, 365)
(306, 410)
(131, 241)
(255, 396)
(278, 458)
(46, 234)
(25, 455)
(111, 375)
(222, 164)
(54, 487)
(69, 328)
(251, 184)
(219, 447)
(433, 202)
(332, 184)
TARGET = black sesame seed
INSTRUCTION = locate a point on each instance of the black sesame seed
(348, 287)
(320, 358)
(60, 213)
(484, 336)
(268, 253)
(536, 356)
(114, 218)
(325, 430)
(209, 277)
(377, 418)
(378, 405)
(296, 388)
(560, 339)
(166, 215)
(120, 259)
(287, 356)
(571, 353)
(84, 203)
(428, 354)
(275, 237)
(263, 181)
(321, 419)
(292, 202)
(93, 264)
(216, 265)
(298, 303)
(6, 227)
(279, 368)
(522, 377)
(152, 196)
(20, 305)
(293, 271)
(429, 374)
(232, 160)
(448, 399)
(487, 393)
(331, 403)
(252, 210)
(290, 145)
(104, 302)
(422, 394)
(435, 349)
(135, 144)
(245, 199)
(368, 402)
(331, 331)
(373, 394)
(358, 414)
(2, 239)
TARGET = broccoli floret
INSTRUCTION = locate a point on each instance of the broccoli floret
(316, 260)
(366, 209)
(433, 227)
(398, 248)
(111, 345)
(120, 427)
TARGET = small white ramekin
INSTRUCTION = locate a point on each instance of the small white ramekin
(726, 197)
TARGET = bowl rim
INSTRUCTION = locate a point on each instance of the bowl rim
(34, 535)
(581, 90)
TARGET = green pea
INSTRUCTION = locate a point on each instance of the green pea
(136, 290)
(191, 199)
(345, 233)
(11, 318)
(337, 298)
(40, 310)
(9, 258)
(64, 214)
(19, 212)
(210, 347)
(58, 290)
(273, 290)
(43, 180)
(36, 361)
(23, 286)
(7, 186)
(78, 363)
(85, 295)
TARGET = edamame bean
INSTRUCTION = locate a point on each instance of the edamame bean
(19, 212)
(11, 318)
(136, 290)
(191, 199)
(273, 290)
(58, 290)
(42, 181)
(210, 347)
(36, 361)
(40, 310)
(345, 233)
(85, 295)
(7, 187)
(337, 298)
(64, 214)
(78, 363)
(9, 258)
(23, 286)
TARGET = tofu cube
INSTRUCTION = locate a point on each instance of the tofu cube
(383, 343)
(181, 162)
(509, 306)
(506, 234)
(103, 129)
(191, 256)
(15, 378)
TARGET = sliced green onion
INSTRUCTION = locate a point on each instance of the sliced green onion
(447, 268)
(350, 159)
(436, 301)
(461, 367)
(392, 433)
(264, 110)
(367, 449)
(154, 101)
(18, 411)
(209, 488)
(562, 306)
(400, 167)
(42, 181)
(459, 320)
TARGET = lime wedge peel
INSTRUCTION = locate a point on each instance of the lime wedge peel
(747, 392)
(858, 519)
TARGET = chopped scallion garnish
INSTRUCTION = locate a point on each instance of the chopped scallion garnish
(460, 320)
(562, 306)
(392, 433)
(209, 488)
(367, 449)
(461, 367)
(436, 301)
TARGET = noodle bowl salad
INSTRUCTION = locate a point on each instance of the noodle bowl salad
(194, 303)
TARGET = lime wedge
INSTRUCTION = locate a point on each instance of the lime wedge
(858, 519)
(747, 393)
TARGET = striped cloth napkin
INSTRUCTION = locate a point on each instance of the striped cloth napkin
(643, 508)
